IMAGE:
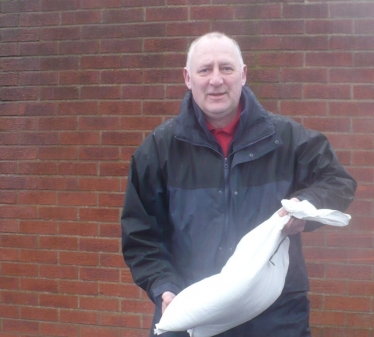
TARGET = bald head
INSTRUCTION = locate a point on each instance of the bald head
(211, 36)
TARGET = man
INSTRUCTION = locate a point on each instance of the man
(204, 179)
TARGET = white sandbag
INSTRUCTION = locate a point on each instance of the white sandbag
(252, 279)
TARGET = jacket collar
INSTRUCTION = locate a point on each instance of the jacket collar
(254, 124)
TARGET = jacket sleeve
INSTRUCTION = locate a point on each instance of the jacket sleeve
(146, 232)
(321, 179)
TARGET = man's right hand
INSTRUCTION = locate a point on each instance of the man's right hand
(167, 297)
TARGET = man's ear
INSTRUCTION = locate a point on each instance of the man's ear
(187, 78)
(244, 75)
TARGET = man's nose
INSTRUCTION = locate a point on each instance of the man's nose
(216, 78)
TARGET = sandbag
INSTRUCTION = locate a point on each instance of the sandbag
(252, 279)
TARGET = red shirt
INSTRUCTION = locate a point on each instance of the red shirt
(225, 135)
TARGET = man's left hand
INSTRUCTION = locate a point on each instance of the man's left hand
(294, 225)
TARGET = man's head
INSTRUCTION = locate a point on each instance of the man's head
(215, 73)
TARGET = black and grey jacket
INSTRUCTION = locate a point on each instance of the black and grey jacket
(187, 206)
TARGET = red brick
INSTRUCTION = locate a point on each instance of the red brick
(121, 46)
(259, 43)
(80, 138)
(58, 301)
(8, 49)
(58, 242)
(303, 75)
(120, 320)
(351, 272)
(38, 49)
(80, 228)
(19, 269)
(99, 153)
(18, 212)
(39, 138)
(364, 26)
(81, 17)
(78, 287)
(45, 168)
(20, 34)
(328, 124)
(168, 14)
(347, 303)
(100, 92)
(74, 169)
(76, 199)
(79, 317)
(100, 62)
(361, 287)
(16, 183)
(280, 91)
(9, 254)
(17, 64)
(38, 19)
(79, 258)
(59, 63)
(195, 28)
(19, 94)
(352, 42)
(112, 169)
(8, 79)
(363, 158)
(332, 59)
(121, 76)
(354, 109)
(103, 214)
(59, 93)
(350, 75)
(99, 304)
(37, 109)
(9, 226)
(133, 306)
(351, 10)
(119, 290)
(57, 5)
(306, 11)
(39, 314)
(120, 108)
(364, 125)
(123, 15)
(39, 285)
(268, 11)
(99, 274)
(101, 32)
(32, 79)
(99, 184)
(302, 108)
(58, 272)
(9, 20)
(111, 260)
(146, 61)
(58, 329)
(38, 256)
(101, 3)
(161, 108)
(143, 92)
(8, 197)
(99, 331)
(99, 245)
(20, 326)
(60, 33)
(57, 153)
(360, 320)
(9, 283)
(110, 230)
(165, 45)
(281, 27)
(363, 91)
(79, 47)
(8, 109)
(78, 108)
(327, 318)
(304, 43)
(327, 91)
(7, 311)
(329, 27)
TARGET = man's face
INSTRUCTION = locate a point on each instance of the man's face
(216, 79)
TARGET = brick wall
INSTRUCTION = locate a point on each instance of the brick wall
(82, 83)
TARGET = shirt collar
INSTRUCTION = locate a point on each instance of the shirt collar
(229, 129)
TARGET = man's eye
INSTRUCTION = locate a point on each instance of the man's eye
(227, 69)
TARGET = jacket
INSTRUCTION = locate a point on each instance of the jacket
(187, 206)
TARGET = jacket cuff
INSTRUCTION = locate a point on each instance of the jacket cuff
(158, 291)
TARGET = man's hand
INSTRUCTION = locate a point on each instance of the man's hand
(294, 225)
(167, 297)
